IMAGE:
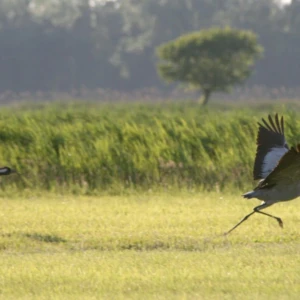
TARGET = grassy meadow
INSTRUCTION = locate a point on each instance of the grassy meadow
(146, 246)
(131, 200)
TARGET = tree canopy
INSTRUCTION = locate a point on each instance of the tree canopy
(211, 60)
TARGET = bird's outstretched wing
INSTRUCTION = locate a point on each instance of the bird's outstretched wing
(271, 146)
(287, 171)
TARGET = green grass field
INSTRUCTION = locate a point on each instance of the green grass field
(131, 200)
(147, 246)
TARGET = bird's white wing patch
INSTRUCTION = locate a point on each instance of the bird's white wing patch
(271, 160)
(3, 170)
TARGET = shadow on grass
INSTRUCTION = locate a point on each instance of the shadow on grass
(47, 238)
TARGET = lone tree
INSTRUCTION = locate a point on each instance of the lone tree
(210, 60)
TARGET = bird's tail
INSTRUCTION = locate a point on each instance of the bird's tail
(249, 195)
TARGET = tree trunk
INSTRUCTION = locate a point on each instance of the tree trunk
(205, 97)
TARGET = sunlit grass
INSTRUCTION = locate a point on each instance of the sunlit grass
(147, 246)
(158, 237)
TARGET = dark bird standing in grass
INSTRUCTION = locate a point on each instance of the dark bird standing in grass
(277, 166)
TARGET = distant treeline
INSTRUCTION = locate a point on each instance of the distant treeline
(69, 44)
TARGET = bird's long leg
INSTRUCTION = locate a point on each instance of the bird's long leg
(264, 205)
(257, 210)
(240, 222)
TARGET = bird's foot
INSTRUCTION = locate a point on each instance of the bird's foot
(280, 222)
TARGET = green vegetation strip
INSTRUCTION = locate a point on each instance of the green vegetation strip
(88, 148)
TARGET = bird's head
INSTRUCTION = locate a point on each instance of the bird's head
(6, 171)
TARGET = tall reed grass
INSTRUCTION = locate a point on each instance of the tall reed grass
(89, 147)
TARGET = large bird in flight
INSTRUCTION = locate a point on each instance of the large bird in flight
(277, 166)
